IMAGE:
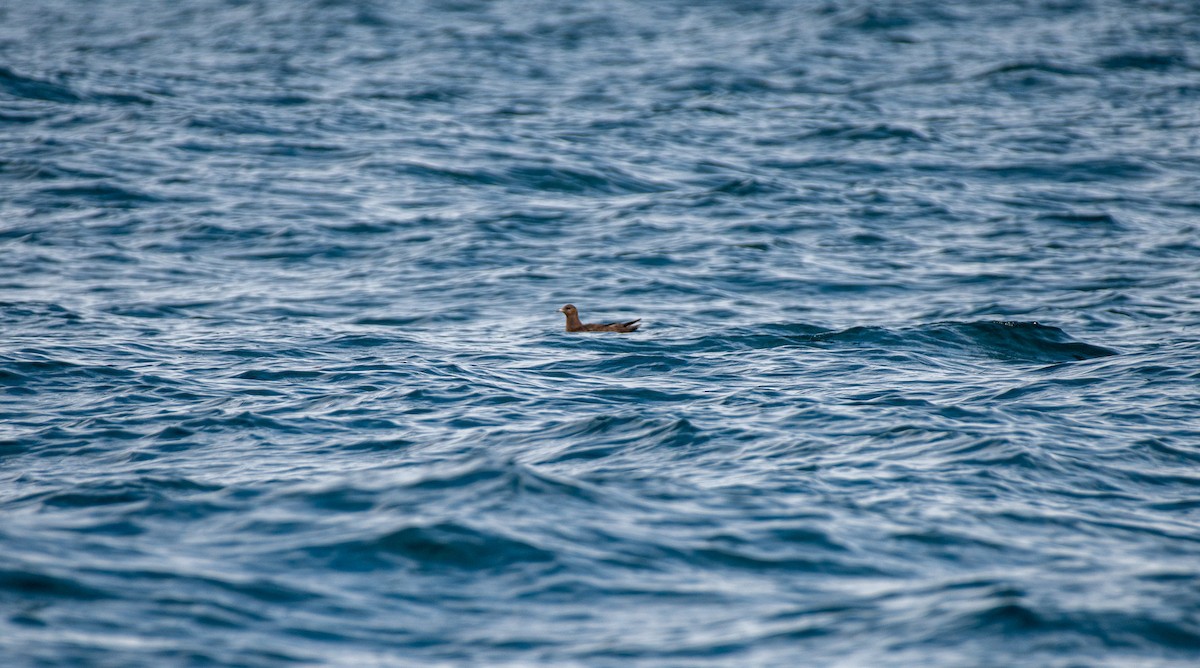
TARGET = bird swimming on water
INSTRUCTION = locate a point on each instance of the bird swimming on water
(573, 324)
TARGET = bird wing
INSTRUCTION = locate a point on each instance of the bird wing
(624, 326)
(611, 326)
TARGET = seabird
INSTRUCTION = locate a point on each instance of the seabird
(573, 324)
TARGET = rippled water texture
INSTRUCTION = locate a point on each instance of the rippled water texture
(284, 383)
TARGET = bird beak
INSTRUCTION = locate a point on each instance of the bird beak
(562, 310)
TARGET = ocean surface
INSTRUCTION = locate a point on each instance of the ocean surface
(284, 382)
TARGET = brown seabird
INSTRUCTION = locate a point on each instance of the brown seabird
(573, 324)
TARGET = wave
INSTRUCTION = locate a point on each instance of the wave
(598, 179)
(26, 584)
(33, 88)
(605, 435)
(439, 545)
(993, 339)
(1002, 340)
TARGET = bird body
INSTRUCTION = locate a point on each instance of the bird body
(574, 324)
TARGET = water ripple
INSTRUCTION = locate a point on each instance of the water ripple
(282, 379)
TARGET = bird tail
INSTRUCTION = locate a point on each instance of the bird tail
(632, 324)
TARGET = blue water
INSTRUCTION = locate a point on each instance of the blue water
(284, 380)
